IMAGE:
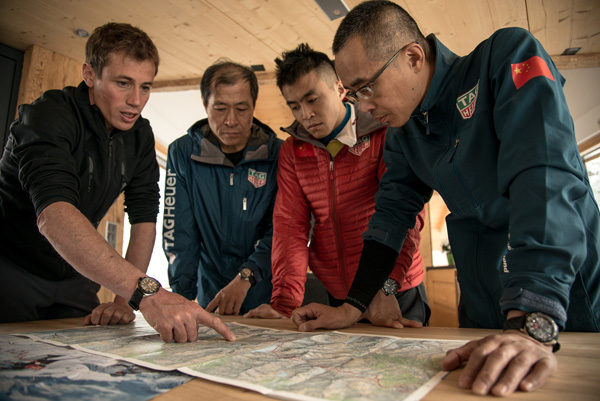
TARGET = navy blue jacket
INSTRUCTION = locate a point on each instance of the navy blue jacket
(524, 226)
(217, 217)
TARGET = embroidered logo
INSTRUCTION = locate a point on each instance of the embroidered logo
(257, 178)
(466, 103)
(362, 144)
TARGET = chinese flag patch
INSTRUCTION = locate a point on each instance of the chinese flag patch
(305, 149)
(534, 67)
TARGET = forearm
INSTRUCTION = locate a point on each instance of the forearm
(141, 244)
(76, 240)
(376, 263)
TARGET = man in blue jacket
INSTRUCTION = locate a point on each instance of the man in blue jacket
(220, 192)
(491, 132)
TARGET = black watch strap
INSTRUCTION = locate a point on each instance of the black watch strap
(515, 323)
(136, 298)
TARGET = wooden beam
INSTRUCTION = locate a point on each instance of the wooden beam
(589, 144)
(264, 78)
(577, 61)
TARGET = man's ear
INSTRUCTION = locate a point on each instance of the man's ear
(339, 86)
(88, 74)
(416, 57)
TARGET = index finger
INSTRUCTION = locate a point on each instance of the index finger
(302, 315)
(212, 305)
(205, 318)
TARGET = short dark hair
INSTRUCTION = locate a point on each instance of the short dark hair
(227, 72)
(119, 37)
(382, 26)
(303, 59)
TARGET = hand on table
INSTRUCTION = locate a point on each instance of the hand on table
(385, 311)
(117, 312)
(500, 364)
(177, 318)
(229, 300)
(264, 311)
(317, 316)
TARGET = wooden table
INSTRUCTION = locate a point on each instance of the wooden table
(577, 378)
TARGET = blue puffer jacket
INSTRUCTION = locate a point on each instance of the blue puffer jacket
(217, 217)
(524, 226)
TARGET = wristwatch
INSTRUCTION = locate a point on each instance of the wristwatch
(538, 326)
(146, 286)
(390, 287)
(248, 275)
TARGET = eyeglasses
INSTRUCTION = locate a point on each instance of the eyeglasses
(365, 92)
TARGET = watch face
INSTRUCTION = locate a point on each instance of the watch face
(541, 327)
(149, 285)
(245, 273)
(390, 286)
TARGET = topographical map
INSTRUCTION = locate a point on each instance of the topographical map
(280, 364)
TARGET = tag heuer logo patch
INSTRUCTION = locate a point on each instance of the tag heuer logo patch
(466, 103)
(257, 178)
(362, 144)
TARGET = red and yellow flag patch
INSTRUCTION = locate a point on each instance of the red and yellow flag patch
(531, 68)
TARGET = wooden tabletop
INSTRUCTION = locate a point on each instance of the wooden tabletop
(577, 378)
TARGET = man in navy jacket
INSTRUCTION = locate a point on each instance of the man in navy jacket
(219, 197)
(491, 132)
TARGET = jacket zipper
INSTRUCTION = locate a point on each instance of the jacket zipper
(91, 173)
(426, 121)
(454, 150)
(334, 218)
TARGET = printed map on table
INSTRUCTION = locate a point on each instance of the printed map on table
(277, 363)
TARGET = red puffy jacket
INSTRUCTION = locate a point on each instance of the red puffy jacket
(339, 193)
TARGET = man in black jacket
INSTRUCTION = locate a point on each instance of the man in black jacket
(68, 157)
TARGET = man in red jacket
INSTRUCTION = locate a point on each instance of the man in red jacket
(329, 170)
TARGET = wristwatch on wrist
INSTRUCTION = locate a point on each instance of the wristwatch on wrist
(538, 326)
(146, 286)
(248, 275)
(390, 287)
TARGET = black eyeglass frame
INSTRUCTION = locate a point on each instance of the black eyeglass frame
(357, 95)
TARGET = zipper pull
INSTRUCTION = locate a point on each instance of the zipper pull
(245, 204)
(454, 150)
(90, 173)
(426, 121)
(231, 179)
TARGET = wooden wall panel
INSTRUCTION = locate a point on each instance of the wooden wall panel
(271, 108)
(44, 70)
(443, 295)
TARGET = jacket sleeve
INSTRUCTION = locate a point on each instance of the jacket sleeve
(181, 237)
(412, 243)
(410, 255)
(142, 194)
(260, 260)
(291, 225)
(399, 200)
(541, 174)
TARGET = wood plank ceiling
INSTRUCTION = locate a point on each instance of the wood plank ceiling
(192, 34)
